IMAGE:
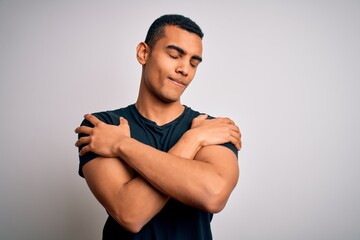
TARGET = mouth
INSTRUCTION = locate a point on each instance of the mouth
(177, 82)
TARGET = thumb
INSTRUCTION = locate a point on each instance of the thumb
(196, 121)
(202, 116)
(123, 121)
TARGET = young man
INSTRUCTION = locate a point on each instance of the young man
(159, 168)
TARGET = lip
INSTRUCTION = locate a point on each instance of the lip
(177, 82)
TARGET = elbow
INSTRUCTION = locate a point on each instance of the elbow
(216, 199)
(215, 204)
(217, 194)
(130, 223)
(132, 227)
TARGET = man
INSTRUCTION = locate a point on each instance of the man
(159, 168)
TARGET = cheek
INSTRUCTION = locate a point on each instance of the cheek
(192, 74)
(152, 70)
(159, 65)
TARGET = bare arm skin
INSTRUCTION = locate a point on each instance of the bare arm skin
(130, 200)
(133, 201)
(112, 183)
(205, 183)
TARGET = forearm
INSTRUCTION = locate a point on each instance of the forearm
(187, 146)
(197, 183)
(194, 183)
(137, 201)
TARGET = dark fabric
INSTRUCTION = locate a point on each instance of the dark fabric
(175, 220)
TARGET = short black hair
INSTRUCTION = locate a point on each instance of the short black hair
(156, 30)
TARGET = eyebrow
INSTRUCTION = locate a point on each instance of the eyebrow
(183, 52)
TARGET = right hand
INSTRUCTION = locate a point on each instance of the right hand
(216, 131)
(102, 139)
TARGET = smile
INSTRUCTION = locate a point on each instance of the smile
(176, 82)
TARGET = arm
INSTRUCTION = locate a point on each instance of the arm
(131, 201)
(205, 183)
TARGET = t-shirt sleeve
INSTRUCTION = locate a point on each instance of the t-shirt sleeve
(104, 117)
(88, 156)
(231, 147)
(228, 144)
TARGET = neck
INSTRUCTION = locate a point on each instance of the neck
(158, 111)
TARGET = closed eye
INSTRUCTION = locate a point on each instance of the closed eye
(194, 63)
(174, 51)
(173, 56)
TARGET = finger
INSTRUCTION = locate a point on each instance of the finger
(201, 117)
(123, 121)
(234, 128)
(229, 121)
(84, 150)
(235, 134)
(235, 142)
(91, 118)
(236, 138)
(84, 130)
(82, 141)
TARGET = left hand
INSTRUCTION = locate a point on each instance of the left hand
(103, 139)
(217, 131)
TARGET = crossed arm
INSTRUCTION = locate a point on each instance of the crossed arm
(195, 171)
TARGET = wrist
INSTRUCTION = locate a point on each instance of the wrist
(187, 146)
(193, 137)
(120, 147)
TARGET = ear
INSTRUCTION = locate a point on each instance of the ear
(142, 52)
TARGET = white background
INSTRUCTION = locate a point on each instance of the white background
(288, 72)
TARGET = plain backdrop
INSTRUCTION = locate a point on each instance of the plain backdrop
(288, 73)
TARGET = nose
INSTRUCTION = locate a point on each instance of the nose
(183, 69)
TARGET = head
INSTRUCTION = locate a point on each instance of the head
(157, 28)
(169, 57)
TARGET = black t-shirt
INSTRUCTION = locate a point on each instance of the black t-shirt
(176, 220)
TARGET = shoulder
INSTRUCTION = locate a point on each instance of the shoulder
(194, 113)
(191, 114)
(110, 116)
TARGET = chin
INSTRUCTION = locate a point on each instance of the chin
(167, 100)
(170, 99)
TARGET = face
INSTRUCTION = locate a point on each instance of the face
(170, 66)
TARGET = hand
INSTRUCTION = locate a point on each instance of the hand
(103, 139)
(216, 131)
